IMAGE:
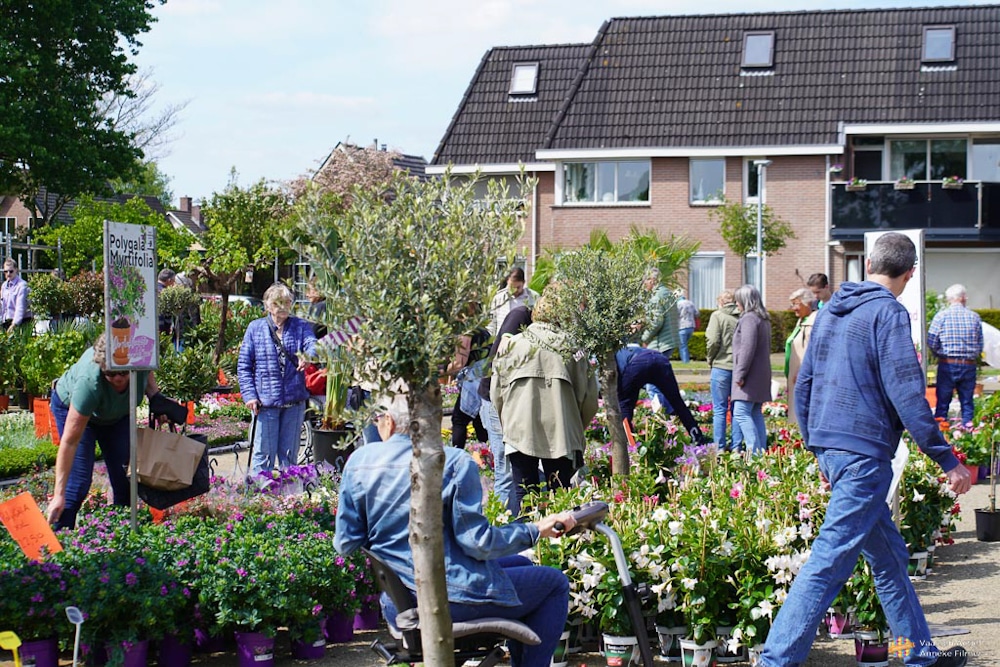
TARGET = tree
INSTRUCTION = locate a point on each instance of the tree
(410, 257)
(78, 239)
(349, 167)
(59, 58)
(738, 227)
(602, 301)
(242, 230)
(134, 114)
(148, 181)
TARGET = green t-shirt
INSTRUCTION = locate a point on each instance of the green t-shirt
(83, 387)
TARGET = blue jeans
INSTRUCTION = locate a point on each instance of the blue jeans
(685, 335)
(501, 471)
(750, 420)
(960, 378)
(544, 595)
(858, 520)
(114, 441)
(722, 391)
(277, 437)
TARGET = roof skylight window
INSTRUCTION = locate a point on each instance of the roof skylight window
(939, 44)
(758, 49)
(524, 79)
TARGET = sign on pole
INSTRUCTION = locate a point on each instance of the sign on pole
(130, 296)
(130, 322)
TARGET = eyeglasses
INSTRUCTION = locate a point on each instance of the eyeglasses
(115, 374)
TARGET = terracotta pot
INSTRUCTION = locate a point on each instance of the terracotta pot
(4, 402)
(121, 340)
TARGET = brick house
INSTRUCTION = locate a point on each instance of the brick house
(658, 117)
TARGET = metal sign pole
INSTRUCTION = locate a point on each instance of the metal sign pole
(132, 447)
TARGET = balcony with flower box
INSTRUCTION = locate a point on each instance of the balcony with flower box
(968, 212)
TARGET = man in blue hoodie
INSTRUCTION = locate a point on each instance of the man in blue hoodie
(859, 386)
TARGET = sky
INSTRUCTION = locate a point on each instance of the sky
(271, 87)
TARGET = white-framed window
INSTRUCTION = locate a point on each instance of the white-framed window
(758, 49)
(752, 189)
(8, 225)
(606, 182)
(938, 44)
(706, 278)
(750, 270)
(707, 180)
(524, 79)
(854, 267)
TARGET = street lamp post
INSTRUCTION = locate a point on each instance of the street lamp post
(762, 166)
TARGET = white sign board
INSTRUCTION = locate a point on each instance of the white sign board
(131, 324)
(913, 294)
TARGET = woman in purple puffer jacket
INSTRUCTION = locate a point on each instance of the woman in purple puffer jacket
(272, 381)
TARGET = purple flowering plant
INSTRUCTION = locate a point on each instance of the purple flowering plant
(128, 286)
(33, 597)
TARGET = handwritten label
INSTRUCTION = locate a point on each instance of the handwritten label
(27, 525)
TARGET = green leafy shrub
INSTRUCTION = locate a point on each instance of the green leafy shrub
(87, 291)
(19, 461)
(46, 357)
(50, 296)
(187, 375)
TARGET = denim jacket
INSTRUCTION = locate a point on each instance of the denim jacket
(374, 512)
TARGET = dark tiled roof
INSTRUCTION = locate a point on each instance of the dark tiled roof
(415, 165)
(186, 220)
(47, 201)
(493, 127)
(676, 81)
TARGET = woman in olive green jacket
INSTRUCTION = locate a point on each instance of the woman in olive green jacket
(719, 349)
(546, 394)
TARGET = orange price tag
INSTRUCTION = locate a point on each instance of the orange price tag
(27, 525)
(628, 432)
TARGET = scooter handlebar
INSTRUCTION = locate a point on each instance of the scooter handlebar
(587, 516)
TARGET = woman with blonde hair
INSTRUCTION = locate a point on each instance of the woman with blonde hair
(751, 367)
(801, 303)
(272, 381)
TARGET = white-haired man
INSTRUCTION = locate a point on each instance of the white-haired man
(956, 337)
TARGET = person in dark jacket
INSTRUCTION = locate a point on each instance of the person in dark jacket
(517, 320)
(751, 367)
(272, 380)
(639, 366)
(859, 386)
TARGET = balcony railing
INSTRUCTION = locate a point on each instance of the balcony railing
(970, 212)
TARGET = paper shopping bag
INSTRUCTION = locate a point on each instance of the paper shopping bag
(167, 460)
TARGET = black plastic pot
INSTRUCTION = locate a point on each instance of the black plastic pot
(329, 446)
(987, 525)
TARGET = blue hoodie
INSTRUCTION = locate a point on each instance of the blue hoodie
(861, 383)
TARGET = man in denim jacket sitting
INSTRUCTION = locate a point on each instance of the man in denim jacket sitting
(483, 581)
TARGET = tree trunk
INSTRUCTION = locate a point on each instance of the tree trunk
(427, 526)
(220, 343)
(609, 389)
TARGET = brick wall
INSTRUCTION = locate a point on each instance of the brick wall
(795, 191)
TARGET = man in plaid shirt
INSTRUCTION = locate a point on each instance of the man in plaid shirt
(956, 337)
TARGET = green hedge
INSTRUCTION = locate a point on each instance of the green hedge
(782, 323)
(20, 461)
(991, 316)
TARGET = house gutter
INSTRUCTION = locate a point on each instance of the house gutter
(827, 228)
(534, 228)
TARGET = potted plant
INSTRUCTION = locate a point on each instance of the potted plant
(32, 599)
(952, 182)
(871, 625)
(186, 375)
(904, 183)
(339, 378)
(50, 297)
(856, 184)
(176, 301)
(987, 518)
(836, 168)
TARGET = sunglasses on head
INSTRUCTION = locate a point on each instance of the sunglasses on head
(115, 374)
